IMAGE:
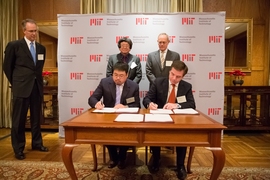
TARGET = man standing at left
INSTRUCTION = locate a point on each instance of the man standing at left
(23, 65)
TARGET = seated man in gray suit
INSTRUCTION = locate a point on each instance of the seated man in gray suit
(159, 62)
(135, 68)
(119, 92)
(171, 92)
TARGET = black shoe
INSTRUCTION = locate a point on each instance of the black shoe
(121, 164)
(181, 173)
(20, 156)
(112, 164)
(41, 148)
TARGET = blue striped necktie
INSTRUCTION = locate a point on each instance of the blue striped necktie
(118, 95)
(33, 52)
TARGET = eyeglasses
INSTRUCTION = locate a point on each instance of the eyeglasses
(118, 75)
(162, 42)
(32, 31)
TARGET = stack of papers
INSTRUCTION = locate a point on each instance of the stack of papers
(161, 111)
(185, 111)
(120, 110)
(129, 118)
(157, 118)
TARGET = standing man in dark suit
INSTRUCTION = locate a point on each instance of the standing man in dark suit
(175, 93)
(119, 92)
(23, 69)
(135, 68)
(158, 63)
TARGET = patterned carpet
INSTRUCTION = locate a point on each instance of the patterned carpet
(33, 170)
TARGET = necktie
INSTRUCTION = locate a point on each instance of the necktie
(33, 52)
(118, 95)
(172, 95)
(162, 59)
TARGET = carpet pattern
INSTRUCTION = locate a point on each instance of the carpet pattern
(43, 170)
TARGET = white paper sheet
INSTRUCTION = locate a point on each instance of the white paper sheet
(185, 111)
(129, 118)
(120, 110)
(157, 118)
(104, 110)
(161, 111)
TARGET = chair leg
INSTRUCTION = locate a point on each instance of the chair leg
(191, 151)
(146, 155)
(134, 154)
(104, 154)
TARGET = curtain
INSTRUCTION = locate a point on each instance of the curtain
(8, 32)
(140, 6)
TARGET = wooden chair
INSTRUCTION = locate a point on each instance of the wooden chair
(93, 147)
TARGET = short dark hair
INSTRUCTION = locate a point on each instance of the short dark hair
(27, 21)
(120, 66)
(179, 66)
(125, 39)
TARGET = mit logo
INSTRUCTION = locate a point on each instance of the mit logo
(77, 76)
(117, 38)
(141, 21)
(171, 39)
(95, 57)
(214, 39)
(143, 94)
(214, 111)
(76, 111)
(96, 21)
(143, 57)
(215, 75)
(188, 57)
(188, 21)
(76, 40)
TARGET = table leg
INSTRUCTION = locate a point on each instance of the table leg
(94, 153)
(191, 151)
(219, 161)
(67, 158)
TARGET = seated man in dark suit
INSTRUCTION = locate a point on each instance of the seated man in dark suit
(119, 92)
(170, 93)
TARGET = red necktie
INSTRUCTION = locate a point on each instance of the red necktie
(172, 95)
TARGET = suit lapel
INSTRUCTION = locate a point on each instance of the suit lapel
(27, 51)
(165, 84)
(26, 48)
(125, 92)
(112, 88)
(157, 59)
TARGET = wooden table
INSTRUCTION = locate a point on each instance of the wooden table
(187, 130)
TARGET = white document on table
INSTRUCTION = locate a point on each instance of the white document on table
(157, 118)
(127, 110)
(185, 111)
(129, 118)
(120, 110)
(161, 111)
(105, 110)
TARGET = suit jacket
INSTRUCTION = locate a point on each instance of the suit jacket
(153, 66)
(158, 93)
(107, 90)
(20, 68)
(134, 73)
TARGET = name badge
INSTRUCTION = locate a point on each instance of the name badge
(181, 99)
(169, 63)
(41, 57)
(130, 100)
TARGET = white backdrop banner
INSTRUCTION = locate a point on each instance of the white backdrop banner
(85, 42)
